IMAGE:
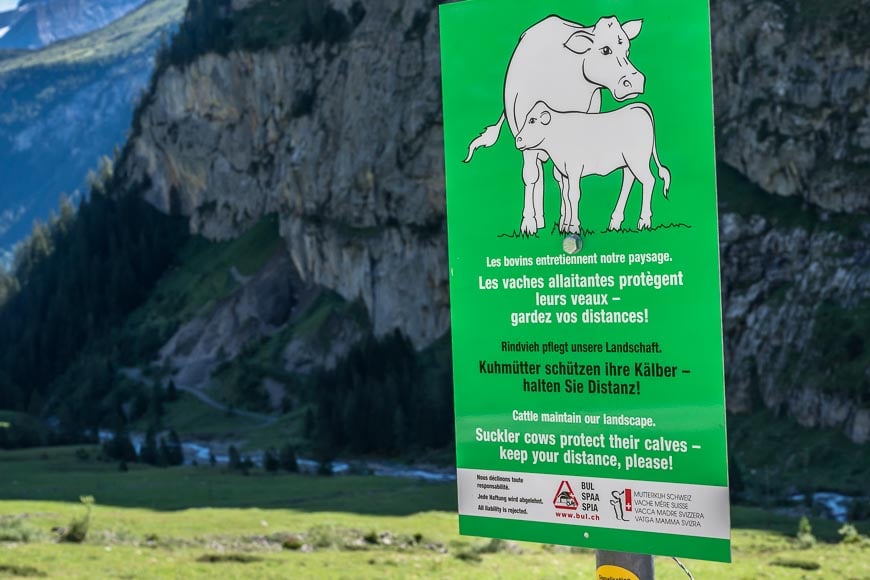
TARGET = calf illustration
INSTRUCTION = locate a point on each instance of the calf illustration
(565, 64)
(582, 144)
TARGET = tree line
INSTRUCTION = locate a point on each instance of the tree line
(383, 399)
(212, 26)
(73, 281)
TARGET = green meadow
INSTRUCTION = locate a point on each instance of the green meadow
(199, 522)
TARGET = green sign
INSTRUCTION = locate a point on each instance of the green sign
(584, 274)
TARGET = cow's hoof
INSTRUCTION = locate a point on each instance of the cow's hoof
(574, 229)
(539, 221)
(529, 226)
(644, 224)
(615, 224)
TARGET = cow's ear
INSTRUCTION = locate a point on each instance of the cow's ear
(632, 28)
(545, 117)
(580, 42)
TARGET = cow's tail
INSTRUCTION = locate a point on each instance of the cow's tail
(664, 172)
(486, 139)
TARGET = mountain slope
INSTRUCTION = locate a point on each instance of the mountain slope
(64, 106)
(38, 23)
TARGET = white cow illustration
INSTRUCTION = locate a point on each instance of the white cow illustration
(565, 64)
(582, 144)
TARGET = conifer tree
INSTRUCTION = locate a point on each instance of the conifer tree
(164, 455)
(288, 459)
(120, 447)
(234, 460)
(176, 452)
(171, 392)
(150, 453)
(270, 460)
(73, 281)
(156, 409)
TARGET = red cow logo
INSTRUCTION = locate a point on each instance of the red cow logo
(565, 498)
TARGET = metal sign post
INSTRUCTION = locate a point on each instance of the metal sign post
(623, 566)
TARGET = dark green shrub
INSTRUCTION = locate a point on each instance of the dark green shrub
(77, 532)
(799, 564)
(231, 558)
(859, 510)
(13, 529)
(120, 448)
(150, 452)
(18, 430)
(270, 461)
(849, 534)
(21, 571)
(292, 543)
(288, 459)
(805, 536)
(371, 538)
(234, 461)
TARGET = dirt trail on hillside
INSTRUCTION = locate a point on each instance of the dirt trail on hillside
(136, 374)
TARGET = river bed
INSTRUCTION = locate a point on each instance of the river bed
(200, 453)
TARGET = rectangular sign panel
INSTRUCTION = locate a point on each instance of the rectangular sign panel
(584, 274)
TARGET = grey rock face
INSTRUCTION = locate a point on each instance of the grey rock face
(343, 141)
(264, 304)
(775, 281)
(327, 346)
(792, 95)
(259, 308)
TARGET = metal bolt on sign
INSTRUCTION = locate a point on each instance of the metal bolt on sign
(572, 244)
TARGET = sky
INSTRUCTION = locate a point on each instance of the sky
(7, 5)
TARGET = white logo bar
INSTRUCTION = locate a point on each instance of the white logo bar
(640, 506)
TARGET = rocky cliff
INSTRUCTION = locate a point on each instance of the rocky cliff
(342, 139)
(792, 83)
(795, 320)
(792, 86)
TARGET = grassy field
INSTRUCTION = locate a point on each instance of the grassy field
(205, 522)
(193, 419)
(190, 417)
